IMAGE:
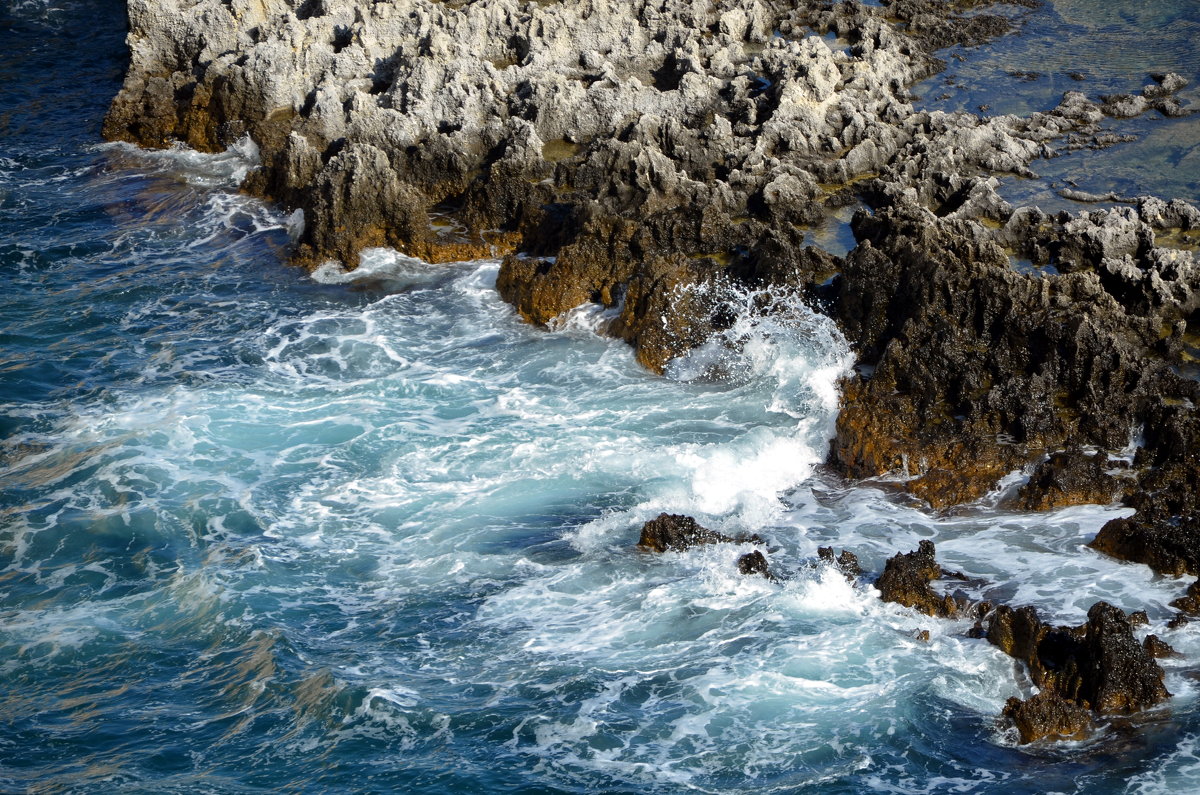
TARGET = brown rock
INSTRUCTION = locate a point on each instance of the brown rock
(1158, 648)
(676, 532)
(1069, 477)
(846, 562)
(1048, 715)
(1190, 602)
(755, 563)
(905, 580)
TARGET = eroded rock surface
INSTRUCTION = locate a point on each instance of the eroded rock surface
(673, 532)
(1096, 667)
(645, 156)
(906, 580)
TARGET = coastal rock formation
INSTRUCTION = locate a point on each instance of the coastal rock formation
(1048, 715)
(975, 369)
(906, 580)
(647, 157)
(627, 151)
(672, 532)
(1098, 667)
(846, 562)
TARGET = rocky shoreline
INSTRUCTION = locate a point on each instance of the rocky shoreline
(647, 158)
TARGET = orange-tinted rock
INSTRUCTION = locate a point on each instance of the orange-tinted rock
(906, 578)
(1069, 477)
(1048, 715)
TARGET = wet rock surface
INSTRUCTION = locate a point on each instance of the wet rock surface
(906, 580)
(649, 159)
(1048, 715)
(1098, 667)
(845, 562)
(675, 532)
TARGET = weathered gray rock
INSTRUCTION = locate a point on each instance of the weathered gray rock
(640, 156)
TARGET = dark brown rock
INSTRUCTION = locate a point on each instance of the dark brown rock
(906, 578)
(755, 563)
(1097, 666)
(1189, 603)
(1069, 477)
(1116, 674)
(1158, 648)
(846, 562)
(1048, 715)
(676, 532)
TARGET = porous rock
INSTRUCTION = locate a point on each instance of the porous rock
(846, 562)
(1096, 667)
(672, 532)
(906, 581)
(1069, 477)
(1048, 715)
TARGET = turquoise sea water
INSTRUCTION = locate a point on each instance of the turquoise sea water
(262, 531)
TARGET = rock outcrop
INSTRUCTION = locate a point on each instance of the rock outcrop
(642, 156)
(1098, 667)
(673, 532)
(645, 157)
(906, 580)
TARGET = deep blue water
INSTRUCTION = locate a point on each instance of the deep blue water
(264, 531)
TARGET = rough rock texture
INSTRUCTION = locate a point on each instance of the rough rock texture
(975, 369)
(675, 532)
(644, 156)
(1070, 477)
(755, 564)
(627, 150)
(1048, 715)
(846, 562)
(906, 580)
(1096, 667)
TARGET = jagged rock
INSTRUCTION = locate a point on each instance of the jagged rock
(675, 532)
(1190, 602)
(977, 370)
(1098, 665)
(1158, 648)
(1069, 477)
(1168, 83)
(846, 562)
(644, 157)
(755, 563)
(1048, 715)
(906, 578)
(1116, 674)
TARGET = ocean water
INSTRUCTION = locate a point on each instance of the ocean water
(262, 530)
